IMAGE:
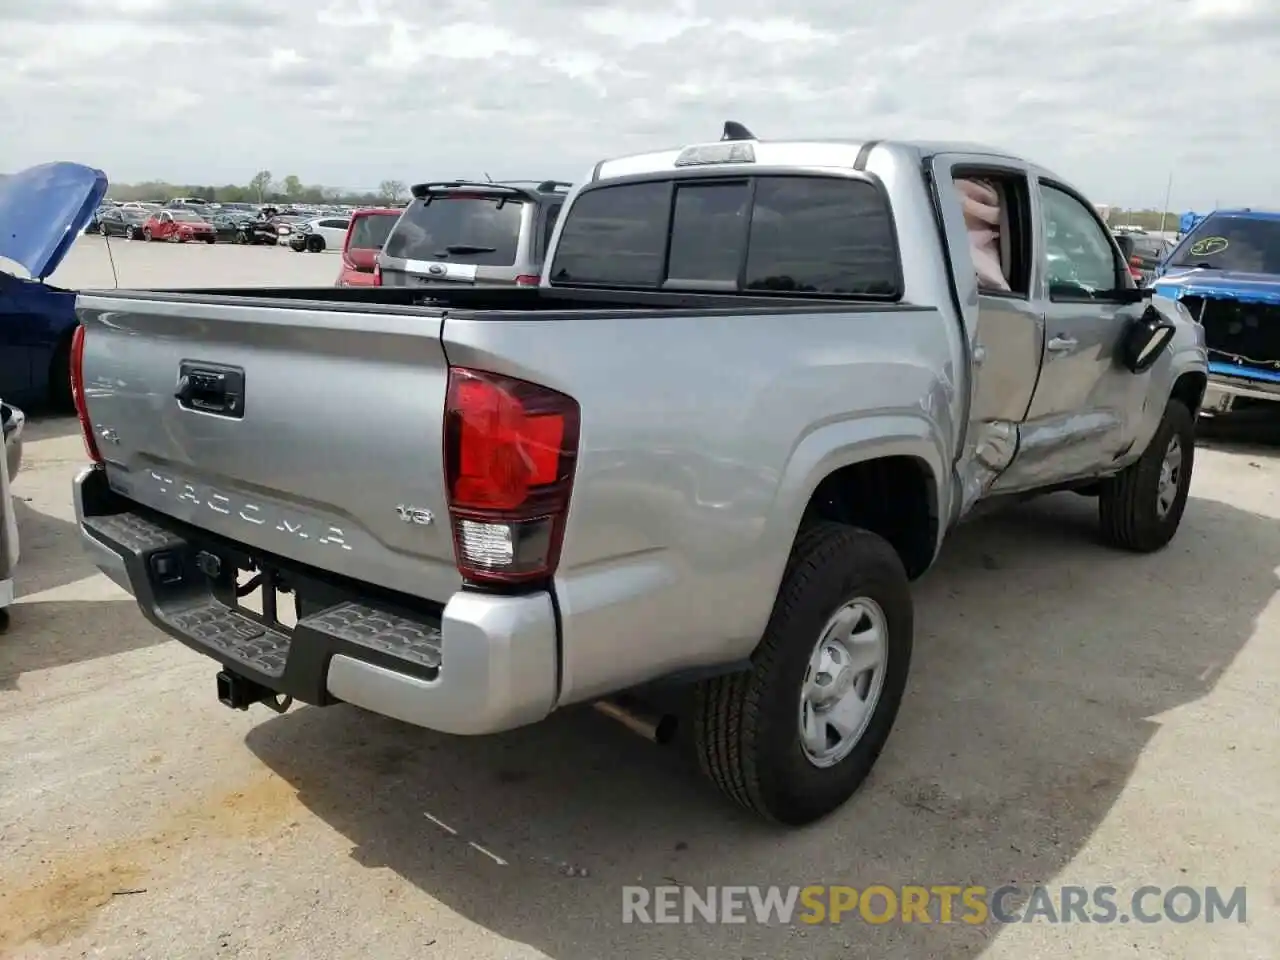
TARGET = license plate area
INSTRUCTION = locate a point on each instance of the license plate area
(264, 594)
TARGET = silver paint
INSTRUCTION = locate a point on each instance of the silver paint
(703, 436)
(418, 515)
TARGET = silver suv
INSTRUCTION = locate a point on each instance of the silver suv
(460, 232)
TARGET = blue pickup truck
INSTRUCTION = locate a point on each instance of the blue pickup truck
(37, 319)
(1226, 271)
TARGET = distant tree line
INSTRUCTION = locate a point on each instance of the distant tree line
(1147, 219)
(263, 187)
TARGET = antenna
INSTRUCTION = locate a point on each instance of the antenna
(115, 277)
(736, 131)
(487, 177)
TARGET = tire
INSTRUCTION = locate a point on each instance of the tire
(1141, 507)
(747, 726)
(4, 619)
(60, 380)
(315, 244)
(146, 234)
(210, 239)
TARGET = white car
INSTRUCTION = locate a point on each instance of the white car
(319, 233)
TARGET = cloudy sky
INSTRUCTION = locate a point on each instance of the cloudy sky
(1113, 95)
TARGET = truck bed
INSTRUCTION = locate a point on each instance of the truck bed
(692, 406)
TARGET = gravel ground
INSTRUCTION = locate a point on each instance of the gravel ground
(1075, 716)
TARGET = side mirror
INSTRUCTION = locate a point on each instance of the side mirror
(1145, 339)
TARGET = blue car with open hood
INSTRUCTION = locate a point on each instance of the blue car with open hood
(43, 210)
(1226, 272)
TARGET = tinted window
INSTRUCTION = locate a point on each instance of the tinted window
(1080, 258)
(615, 235)
(1224, 242)
(821, 236)
(335, 224)
(370, 232)
(472, 229)
(553, 214)
(1148, 246)
(708, 227)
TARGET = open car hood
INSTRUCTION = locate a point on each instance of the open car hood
(42, 211)
(1219, 285)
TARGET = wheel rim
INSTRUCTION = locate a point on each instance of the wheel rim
(1170, 477)
(843, 682)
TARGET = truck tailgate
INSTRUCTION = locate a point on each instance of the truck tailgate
(307, 431)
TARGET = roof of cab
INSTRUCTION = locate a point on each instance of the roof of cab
(809, 153)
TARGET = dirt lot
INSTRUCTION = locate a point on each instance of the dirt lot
(1075, 716)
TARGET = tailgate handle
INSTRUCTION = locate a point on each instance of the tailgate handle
(211, 388)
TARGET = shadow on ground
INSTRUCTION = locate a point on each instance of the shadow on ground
(1043, 663)
(51, 555)
(43, 424)
(1255, 431)
(54, 632)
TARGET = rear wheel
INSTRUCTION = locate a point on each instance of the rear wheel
(795, 736)
(4, 619)
(147, 235)
(1141, 507)
(210, 239)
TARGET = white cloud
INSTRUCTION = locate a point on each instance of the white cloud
(351, 92)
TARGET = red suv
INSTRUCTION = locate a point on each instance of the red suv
(365, 236)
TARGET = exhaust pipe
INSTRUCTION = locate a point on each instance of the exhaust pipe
(658, 728)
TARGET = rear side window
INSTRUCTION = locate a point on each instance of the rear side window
(370, 232)
(553, 214)
(463, 229)
(800, 234)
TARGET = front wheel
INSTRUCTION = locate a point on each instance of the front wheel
(795, 736)
(4, 619)
(147, 234)
(1141, 507)
(315, 244)
(210, 239)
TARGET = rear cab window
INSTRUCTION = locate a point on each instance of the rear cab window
(815, 235)
(466, 228)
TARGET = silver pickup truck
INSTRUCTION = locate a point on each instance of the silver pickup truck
(758, 384)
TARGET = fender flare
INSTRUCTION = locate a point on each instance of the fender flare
(834, 445)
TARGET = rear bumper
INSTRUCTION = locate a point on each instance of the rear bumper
(481, 664)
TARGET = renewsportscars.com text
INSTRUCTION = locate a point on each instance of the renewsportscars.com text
(974, 905)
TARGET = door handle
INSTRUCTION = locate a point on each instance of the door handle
(1061, 344)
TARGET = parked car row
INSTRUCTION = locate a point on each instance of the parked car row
(1143, 251)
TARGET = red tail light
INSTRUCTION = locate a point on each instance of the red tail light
(377, 274)
(77, 394)
(528, 280)
(510, 448)
(1135, 261)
